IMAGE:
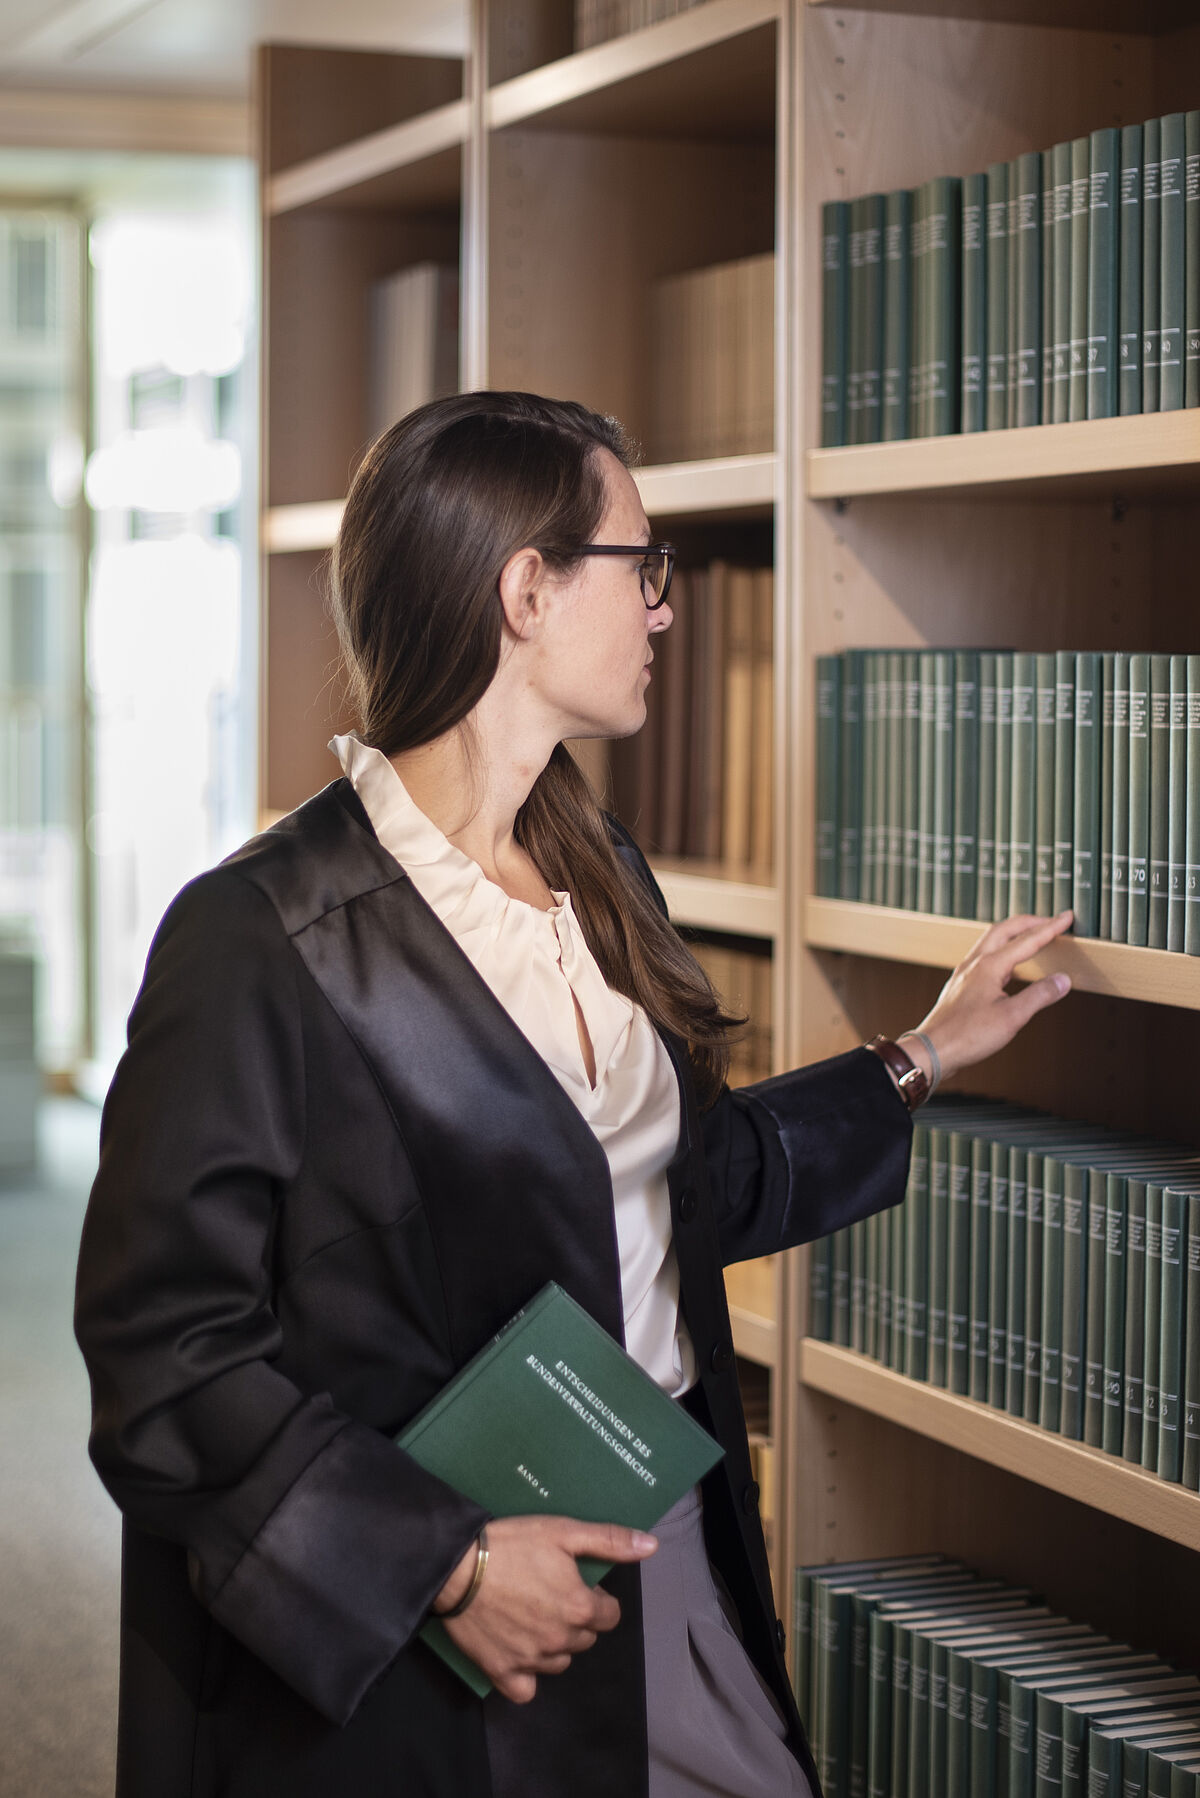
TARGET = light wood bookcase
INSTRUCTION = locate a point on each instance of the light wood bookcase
(569, 182)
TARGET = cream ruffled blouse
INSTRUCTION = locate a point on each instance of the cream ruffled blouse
(534, 961)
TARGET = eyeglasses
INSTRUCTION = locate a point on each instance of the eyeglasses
(656, 564)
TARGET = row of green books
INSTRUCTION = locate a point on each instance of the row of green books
(1062, 285)
(981, 783)
(918, 1678)
(1045, 1267)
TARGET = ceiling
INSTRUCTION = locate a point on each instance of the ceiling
(201, 47)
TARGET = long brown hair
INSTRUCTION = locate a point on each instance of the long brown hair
(439, 504)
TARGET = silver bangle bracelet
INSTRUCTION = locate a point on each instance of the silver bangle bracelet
(934, 1062)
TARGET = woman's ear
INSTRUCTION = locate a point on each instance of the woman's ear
(522, 585)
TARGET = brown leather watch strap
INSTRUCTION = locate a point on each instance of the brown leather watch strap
(911, 1080)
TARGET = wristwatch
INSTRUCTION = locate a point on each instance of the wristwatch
(912, 1081)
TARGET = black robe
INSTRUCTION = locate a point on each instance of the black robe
(331, 1167)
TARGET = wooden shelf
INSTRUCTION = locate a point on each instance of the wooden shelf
(729, 486)
(1123, 972)
(1072, 1468)
(704, 897)
(1155, 453)
(1148, 17)
(755, 1338)
(715, 64)
(415, 165)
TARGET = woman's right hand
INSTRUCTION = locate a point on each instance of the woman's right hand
(533, 1611)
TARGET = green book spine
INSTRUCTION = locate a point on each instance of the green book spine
(1014, 298)
(1120, 799)
(1047, 1751)
(1102, 348)
(980, 1276)
(1050, 1400)
(1107, 701)
(1024, 776)
(819, 1271)
(1093, 1393)
(1135, 1320)
(918, 316)
(850, 769)
(981, 1731)
(1191, 832)
(965, 782)
(834, 226)
(901, 1709)
(1085, 884)
(1029, 289)
(1047, 286)
(858, 1285)
(1151, 263)
(868, 822)
(1020, 1741)
(1064, 780)
(918, 1714)
(883, 700)
(894, 869)
(883, 1346)
(1074, 1753)
(997, 1252)
(958, 1264)
(1171, 1321)
(1104, 1766)
(1035, 1239)
(1004, 786)
(1060, 158)
(1190, 1471)
(1191, 251)
(939, 1717)
(916, 1265)
(958, 1723)
(1159, 799)
(912, 778)
(802, 1585)
(939, 1242)
(1075, 1274)
(928, 781)
(839, 1287)
(1152, 1326)
(879, 1726)
(1138, 859)
(943, 783)
(856, 314)
(1015, 1308)
(898, 1345)
(1177, 806)
(1171, 178)
(1003, 1732)
(874, 1226)
(860, 1698)
(997, 296)
(1081, 157)
(974, 301)
(1158, 1776)
(897, 233)
(986, 784)
(829, 718)
(1116, 1200)
(1129, 225)
(1045, 781)
(945, 270)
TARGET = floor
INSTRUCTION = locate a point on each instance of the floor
(59, 1532)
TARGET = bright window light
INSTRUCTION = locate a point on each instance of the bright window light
(174, 469)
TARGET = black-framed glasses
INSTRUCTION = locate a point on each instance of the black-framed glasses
(656, 564)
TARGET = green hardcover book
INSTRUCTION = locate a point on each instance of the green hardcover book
(839, 1287)
(1159, 799)
(901, 1711)
(874, 827)
(1035, 1239)
(898, 1343)
(1151, 263)
(1107, 702)
(858, 1286)
(1129, 279)
(980, 1268)
(801, 1638)
(850, 775)
(945, 270)
(1137, 863)
(1062, 884)
(928, 781)
(1081, 158)
(916, 1261)
(943, 783)
(997, 1256)
(1172, 278)
(974, 301)
(874, 1226)
(1028, 372)
(894, 859)
(883, 1351)
(1093, 1387)
(553, 1416)
(919, 310)
(1152, 1326)
(1171, 1323)
(958, 1264)
(1085, 884)
(985, 880)
(879, 1713)
(1116, 1202)
(918, 1713)
(1050, 1397)
(1047, 412)
(1135, 1320)
(1177, 805)
(912, 778)
(1102, 299)
(939, 1245)
(1005, 663)
(1024, 779)
(819, 1275)
(1074, 1289)
(1060, 159)
(861, 223)
(1016, 1303)
(829, 720)
(897, 247)
(1045, 782)
(1191, 252)
(965, 782)
(1120, 799)
(834, 283)
(1191, 875)
(1014, 214)
(997, 297)
(1190, 1471)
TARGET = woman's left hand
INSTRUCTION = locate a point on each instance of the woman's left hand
(975, 1014)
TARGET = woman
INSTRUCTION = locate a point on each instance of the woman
(421, 1047)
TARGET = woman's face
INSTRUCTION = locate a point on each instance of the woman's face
(597, 651)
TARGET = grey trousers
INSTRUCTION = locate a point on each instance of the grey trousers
(715, 1731)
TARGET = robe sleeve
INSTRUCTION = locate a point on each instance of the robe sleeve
(309, 1535)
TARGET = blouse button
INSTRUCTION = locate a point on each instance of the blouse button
(721, 1359)
(750, 1498)
(688, 1204)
